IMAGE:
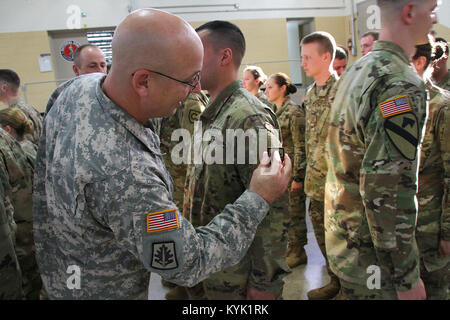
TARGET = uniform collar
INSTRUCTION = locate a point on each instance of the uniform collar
(283, 107)
(382, 45)
(324, 90)
(146, 134)
(214, 108)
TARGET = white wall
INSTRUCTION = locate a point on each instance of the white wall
(38, 15)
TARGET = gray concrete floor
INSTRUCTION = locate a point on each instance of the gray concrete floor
(296, 284)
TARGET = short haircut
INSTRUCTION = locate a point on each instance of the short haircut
(77, 53)
(11, 78)
(375, 35)
(324, 39)
(444, 43)
(224, 34)
(341, 54)
(396, 4)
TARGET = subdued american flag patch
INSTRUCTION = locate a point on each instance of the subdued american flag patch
(395, 106)
(162, 220)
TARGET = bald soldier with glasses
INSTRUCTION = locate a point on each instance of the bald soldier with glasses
(103, 210)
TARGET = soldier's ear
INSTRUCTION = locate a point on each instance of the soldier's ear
(76, 70)
(408, 13)
(227, 57)
(140, 82)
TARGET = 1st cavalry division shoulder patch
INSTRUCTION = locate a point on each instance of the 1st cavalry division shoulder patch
(403, 131)
(162, 220)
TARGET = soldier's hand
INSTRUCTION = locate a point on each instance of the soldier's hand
(416, 293)
(444, 248)
(296, 186)
(271, 178)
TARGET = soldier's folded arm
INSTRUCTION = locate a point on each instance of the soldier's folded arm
(389, 179)
(146, 222)
(443, 134)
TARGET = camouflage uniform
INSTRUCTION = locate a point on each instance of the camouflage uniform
(33, 115)
(10, 273)
(433, 223)
(291, 118)
(100, 181)
(370, 195)
(183, 118)
(317, 104)
(445, 83)
(20, 174)
(212, 186)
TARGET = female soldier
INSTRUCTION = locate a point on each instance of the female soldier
(253, 79)
(14, 121)
(433, 222)
(291, 118)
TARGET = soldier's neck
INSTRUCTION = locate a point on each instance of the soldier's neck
(322, 78)
(399, 38)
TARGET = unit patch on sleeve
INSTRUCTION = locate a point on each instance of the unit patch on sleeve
(395, 106)
(164, 256)
(403, 131)
(162, 220)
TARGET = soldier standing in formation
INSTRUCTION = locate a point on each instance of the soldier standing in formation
(253, 78)
(318, 51)
(441, 75)
(17, 180)
(259, 274)
(291, 118)
(433, 222)
(372, 153)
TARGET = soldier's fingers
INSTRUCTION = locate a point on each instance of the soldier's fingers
(265, 161)
(276, 162)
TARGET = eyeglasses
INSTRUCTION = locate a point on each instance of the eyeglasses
(193, 84)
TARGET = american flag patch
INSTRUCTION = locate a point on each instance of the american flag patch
(395, 106)
(163, 220)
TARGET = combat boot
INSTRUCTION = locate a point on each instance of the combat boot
(327, 292)
(177, 293)
(296, 256)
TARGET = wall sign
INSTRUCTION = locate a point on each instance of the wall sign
(68, 49)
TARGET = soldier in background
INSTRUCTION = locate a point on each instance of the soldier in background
(291, 118)
(88, 58)
(367, 41)
(433, 223)
(16, 123)
(318, 50)
(340, 60)
(9, 94)
(10, 271)
(441, 75)
(377, 121)
(259, 274)
(253, 78)
(18, 191)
